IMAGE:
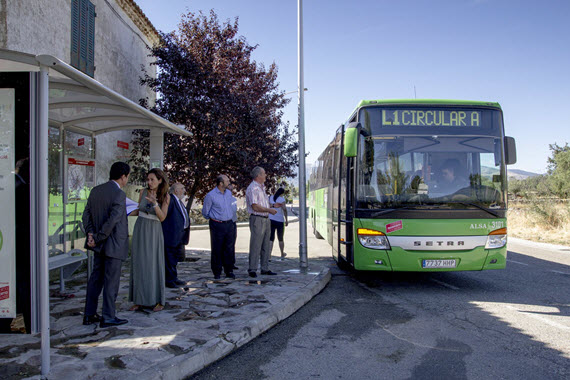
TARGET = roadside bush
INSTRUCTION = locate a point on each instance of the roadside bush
(198, 219)
(544, 220)
(550, 213)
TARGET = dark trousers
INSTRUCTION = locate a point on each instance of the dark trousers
(171, 258)
(279, 227)
(106, 276)
(234, 242)
(222, 238)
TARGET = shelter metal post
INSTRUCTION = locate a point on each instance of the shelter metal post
(39, 215)
(35, 284)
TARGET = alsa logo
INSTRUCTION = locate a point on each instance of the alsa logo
(439, 243)
(483, 226)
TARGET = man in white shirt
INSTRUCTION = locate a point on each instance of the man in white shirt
(259, 225)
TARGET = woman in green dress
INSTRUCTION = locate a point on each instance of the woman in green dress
(147, 286)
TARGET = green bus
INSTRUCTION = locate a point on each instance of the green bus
(415, 185)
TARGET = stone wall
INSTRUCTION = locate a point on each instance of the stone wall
(44, 27)
(122, 37)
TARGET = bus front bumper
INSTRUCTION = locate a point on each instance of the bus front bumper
(398, 259)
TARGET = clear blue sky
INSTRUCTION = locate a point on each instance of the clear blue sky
(513, 52)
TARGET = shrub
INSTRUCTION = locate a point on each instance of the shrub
(551, 213)
(198, 219)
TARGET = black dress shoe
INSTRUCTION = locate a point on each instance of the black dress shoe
(268, 272)
(217, 277)
(252, 274)
(230, 275)
(235, 267)
(180, 282)
(171, 286)
(113, 322)
(90, 319)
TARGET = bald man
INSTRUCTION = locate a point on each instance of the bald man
(176, 231)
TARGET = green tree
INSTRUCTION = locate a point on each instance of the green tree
(516, 186)
(208, 82)
(531, 186)
(559, 170)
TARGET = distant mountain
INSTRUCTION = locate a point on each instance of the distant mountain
(511, 173)
(520, 174)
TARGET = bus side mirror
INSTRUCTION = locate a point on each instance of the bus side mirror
(510, 151)
(351, 139)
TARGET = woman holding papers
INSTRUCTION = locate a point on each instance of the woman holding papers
(147, 257)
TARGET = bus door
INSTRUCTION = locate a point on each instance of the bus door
(346, 207)
(335, 198)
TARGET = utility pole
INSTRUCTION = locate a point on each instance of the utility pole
(303, 259)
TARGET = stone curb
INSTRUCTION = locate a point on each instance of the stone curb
(200, 227)
(186, 365)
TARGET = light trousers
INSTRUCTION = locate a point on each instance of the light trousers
(259, 246)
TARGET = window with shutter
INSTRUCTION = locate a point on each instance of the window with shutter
(83, 36)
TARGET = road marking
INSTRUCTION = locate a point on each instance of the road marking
(516, 262)
(540, 318)
(444, 284)
(557, 271)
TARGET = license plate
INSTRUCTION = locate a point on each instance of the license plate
(438, 263)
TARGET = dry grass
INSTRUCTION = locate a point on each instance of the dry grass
(539, 220)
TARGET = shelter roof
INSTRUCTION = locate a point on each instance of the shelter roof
(78, 102)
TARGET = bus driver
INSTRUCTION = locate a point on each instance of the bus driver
(451, 180)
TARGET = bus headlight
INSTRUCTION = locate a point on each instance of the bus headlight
(373, 239)
(497, 239)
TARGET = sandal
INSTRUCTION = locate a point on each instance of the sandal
(135, 307)
(158, 307)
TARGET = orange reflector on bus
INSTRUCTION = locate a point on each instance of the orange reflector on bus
(366, 231)
(500, 231)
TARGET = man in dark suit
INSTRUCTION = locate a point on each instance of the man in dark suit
(176, 231)
(105, 222)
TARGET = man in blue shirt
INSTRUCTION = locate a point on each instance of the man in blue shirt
(218, 209)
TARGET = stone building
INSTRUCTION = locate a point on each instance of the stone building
(122, 35)
(106, 39)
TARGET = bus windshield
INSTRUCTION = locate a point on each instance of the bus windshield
(430, 171)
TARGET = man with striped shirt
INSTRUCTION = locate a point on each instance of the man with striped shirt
(259, 225)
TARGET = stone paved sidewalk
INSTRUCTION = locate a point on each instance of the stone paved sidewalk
(202, 321)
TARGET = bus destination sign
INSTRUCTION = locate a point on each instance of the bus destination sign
(430, 117)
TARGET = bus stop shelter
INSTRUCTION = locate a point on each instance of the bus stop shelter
(65, 98)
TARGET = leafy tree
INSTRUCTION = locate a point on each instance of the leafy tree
(531, 186)
(559, 170)
(516, 186)
(208, 82)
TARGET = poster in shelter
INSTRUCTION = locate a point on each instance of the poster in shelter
(79, 178)
(7, 200)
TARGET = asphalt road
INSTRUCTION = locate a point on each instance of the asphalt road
(507, 324)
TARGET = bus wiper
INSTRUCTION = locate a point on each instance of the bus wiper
(479, 207)
(389, 210)
(386, 211)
